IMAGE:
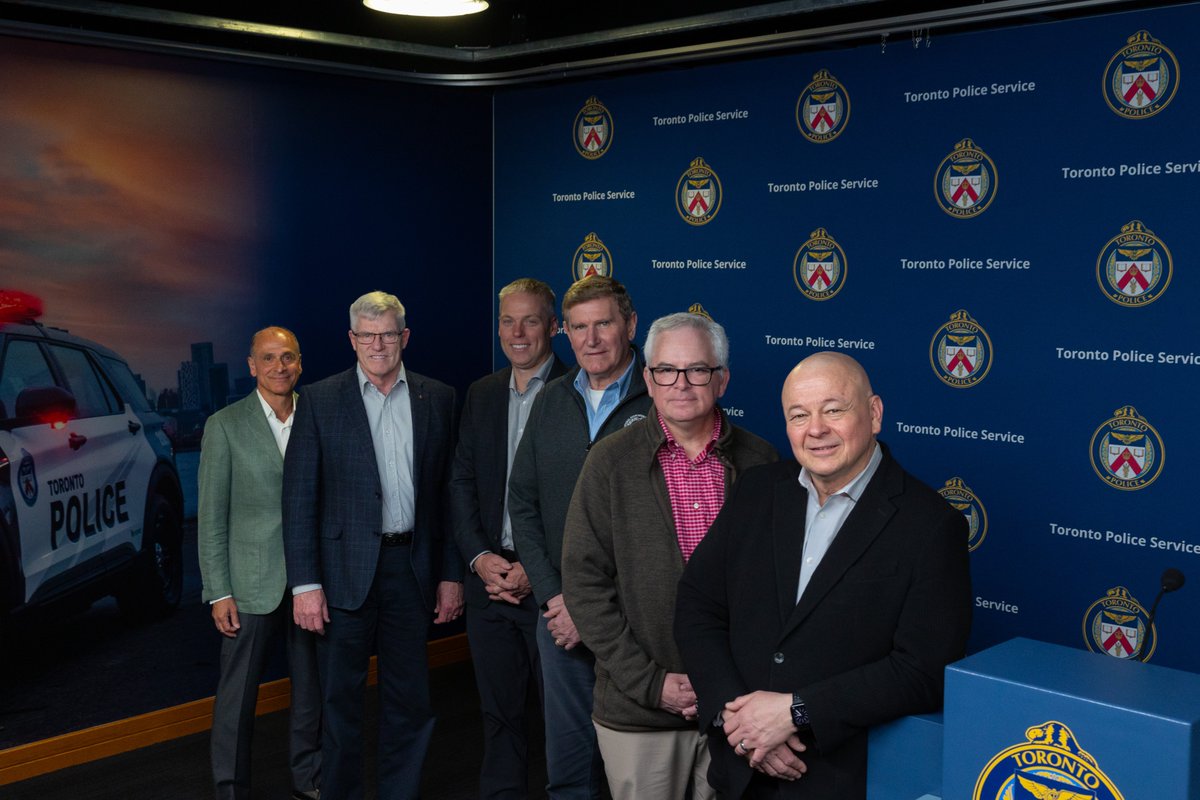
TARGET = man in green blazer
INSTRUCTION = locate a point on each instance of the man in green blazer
(240, 529)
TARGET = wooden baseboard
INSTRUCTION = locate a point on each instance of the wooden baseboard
(91, 744)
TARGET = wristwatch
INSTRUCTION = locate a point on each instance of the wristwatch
(799, 713)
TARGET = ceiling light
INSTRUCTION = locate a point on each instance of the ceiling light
(428, 8)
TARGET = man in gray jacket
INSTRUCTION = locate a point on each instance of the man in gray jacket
(645, 499)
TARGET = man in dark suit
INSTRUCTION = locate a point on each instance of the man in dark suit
(829, 596)
(502, 615)
(363, 516)
(240, 532)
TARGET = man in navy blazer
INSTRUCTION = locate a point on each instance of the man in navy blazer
(502, 615)
(364, 517)
(828, 596)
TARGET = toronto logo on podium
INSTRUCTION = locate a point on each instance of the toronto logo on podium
(1117, 624)
(591, 258)
(960, 496)
(965, 182)
(1127, 452)
(819, 267)
(593, 129)
(698, 194)
(823, 109)
(1141, 78)
(1135, 267)
(961, 351)
(1048, 765)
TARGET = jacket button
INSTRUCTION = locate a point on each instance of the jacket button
(777, 658)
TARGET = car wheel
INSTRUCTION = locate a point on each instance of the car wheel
(157, 583)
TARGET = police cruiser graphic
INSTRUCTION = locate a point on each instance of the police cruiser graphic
(90, 499)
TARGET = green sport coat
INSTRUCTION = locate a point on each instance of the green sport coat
(240, 519)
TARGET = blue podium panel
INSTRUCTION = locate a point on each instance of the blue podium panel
(1027, 720)
(904, 759)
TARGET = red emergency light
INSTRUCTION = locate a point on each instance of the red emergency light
(19, 306)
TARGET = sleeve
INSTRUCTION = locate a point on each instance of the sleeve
(589, 577)
(702, 631)
(465, 518)
(212, 518)
(932, 629)
(525, 513)
(302, 498)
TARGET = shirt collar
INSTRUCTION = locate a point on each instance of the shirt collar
(270, 412)
(622, 384)
(857, 484)
(671, 444)
(542, 374)
(364, 382)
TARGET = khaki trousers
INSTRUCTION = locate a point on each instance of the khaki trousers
(655, 764)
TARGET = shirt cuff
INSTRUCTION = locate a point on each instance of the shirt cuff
(306, 587)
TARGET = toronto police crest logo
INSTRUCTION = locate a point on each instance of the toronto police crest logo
(1049, 765)
(593, 129)
(1127, 452)
(27, 478)
(960, 496)
(1117, 624)
(819, 268)
(1141, 79)
(1135, 267)
(698, 193)
(961, 351)
(591, 258)
(823, 108)
(966, 180)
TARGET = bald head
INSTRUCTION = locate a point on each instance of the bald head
(275, 362)
(832, 419)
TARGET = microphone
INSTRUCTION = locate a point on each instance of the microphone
(1171, 580)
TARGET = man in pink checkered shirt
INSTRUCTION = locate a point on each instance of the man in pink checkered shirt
(646, 497)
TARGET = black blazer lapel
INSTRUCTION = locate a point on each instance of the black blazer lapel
(861, 528)
(360, 428)
(419, 403)
(787, 538)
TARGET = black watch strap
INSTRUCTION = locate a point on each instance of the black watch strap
(799, 713)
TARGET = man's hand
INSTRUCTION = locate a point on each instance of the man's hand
(756, 723)
(449, 602)
(558, 622)
(225, 615)
(782, 760)
(309, 610)
(512, 589)
(678, 697)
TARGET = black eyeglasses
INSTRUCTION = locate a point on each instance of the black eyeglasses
(695, 376)
(388, 337)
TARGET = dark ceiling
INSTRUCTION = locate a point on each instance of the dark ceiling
(514, 40)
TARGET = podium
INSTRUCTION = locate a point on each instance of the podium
(1027, 720)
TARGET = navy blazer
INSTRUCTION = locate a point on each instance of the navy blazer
(479, 477)
(332, 496)
(888, 607)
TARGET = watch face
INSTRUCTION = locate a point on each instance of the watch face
(799, 713)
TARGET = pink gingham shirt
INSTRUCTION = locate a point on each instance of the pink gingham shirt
(696, 487)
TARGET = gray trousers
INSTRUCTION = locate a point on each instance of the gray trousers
(243, 660)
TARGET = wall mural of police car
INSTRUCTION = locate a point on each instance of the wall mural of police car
(90, 499)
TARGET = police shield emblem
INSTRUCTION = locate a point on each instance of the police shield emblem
(1126, 451)
(698, 194)
(593, 129)
(1049, 765)
(962, 499)
(965, 182)
(1141, 78)
(1135, 266)
(961, 351)
(27, 479)
(823, 108)
(1118, 625)
(592, 257)
(819, 268)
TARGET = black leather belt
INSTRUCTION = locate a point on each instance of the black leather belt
(396, 539)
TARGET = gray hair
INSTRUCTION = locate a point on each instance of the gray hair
(685, 319)
(374, 305)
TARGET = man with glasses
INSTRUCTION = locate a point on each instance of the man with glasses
(829, 596)
(644, 500)
(602, 395)
(367, 558)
